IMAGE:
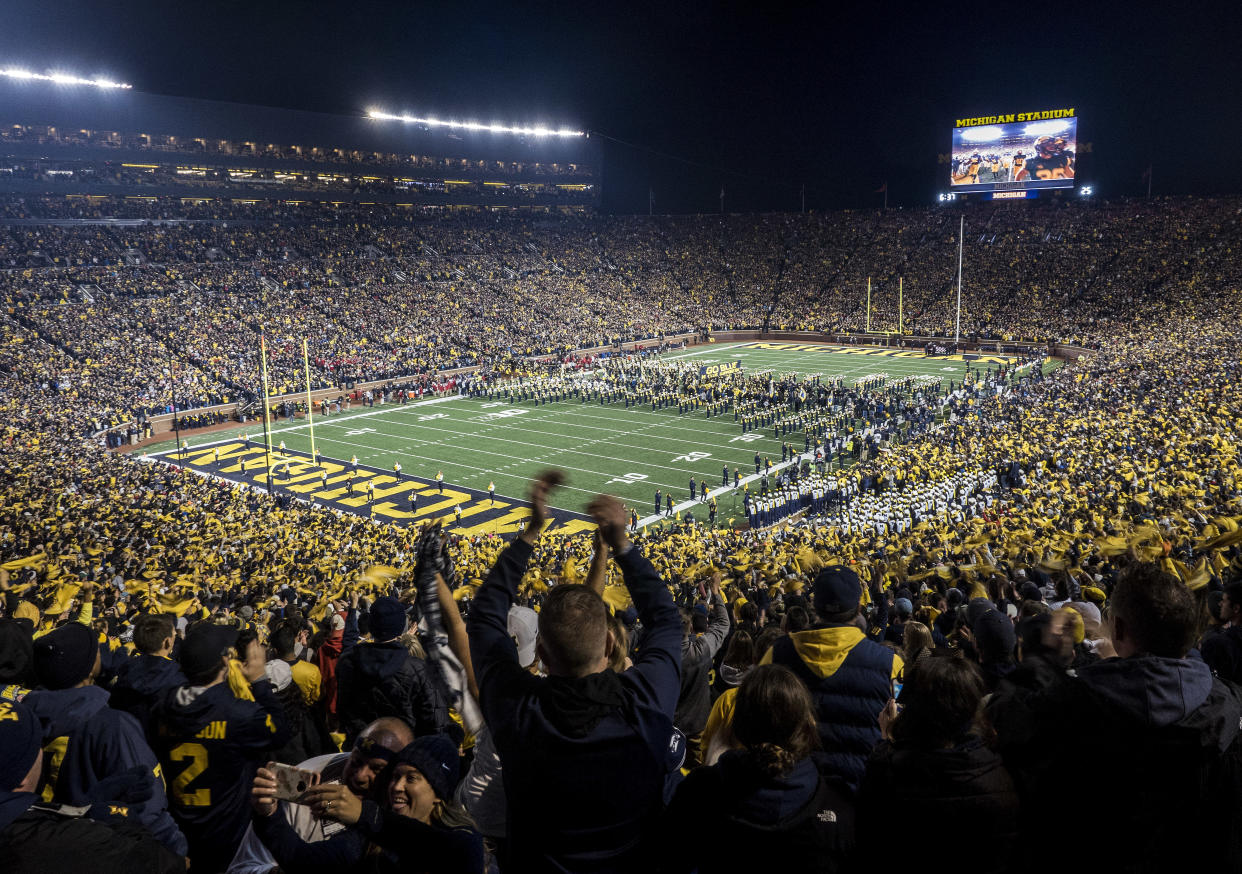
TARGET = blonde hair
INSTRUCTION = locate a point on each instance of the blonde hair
(413, 645)
(448, 814)
(620, 645)
(917, 638)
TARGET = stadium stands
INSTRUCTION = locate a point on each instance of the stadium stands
(1117, 498)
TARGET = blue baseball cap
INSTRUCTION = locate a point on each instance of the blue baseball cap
(837, 590)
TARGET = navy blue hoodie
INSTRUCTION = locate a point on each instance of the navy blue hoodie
(1158, 736)
(585, 759)
(141, 682)
(86, 741)
(13, 805)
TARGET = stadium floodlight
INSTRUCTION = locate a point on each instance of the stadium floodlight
(538, 131)
(59, 78)
(1045, 128)
(984, 134)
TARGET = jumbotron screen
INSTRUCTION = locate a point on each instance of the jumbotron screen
(1015, 152)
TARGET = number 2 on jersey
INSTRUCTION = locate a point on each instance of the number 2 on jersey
(197, 754)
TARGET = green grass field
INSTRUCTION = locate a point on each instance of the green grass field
(627, 452)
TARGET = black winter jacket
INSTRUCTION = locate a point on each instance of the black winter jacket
(932, 793)
(732, 817)
(38, 838)
(383, 679)
(1158, 737)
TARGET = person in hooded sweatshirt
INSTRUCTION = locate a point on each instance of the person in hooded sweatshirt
(990, 638)
(932, 772)
(850, 677)
(763, 806)
(381, 679)
(739, 657)
(704, 628)
(212, 734)
(84, 740)
(38, 837)
(1160, 732)
(585, 749)
(142, 680)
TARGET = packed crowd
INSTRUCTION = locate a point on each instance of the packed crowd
(1063, 601)
(378, 295)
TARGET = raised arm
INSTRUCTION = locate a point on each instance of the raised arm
(718, 619)
(492, 651)
(657, 663)
(598, 573)
(455, 628)
(265, 727)
(349, 638)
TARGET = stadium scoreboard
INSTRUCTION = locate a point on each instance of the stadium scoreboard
(1014, 155)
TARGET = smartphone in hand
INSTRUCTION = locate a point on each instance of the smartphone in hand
(292, 783)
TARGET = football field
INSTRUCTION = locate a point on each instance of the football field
(602, 448)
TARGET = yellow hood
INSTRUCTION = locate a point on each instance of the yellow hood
(823, 650)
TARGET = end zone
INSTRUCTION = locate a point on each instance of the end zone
(398, 499)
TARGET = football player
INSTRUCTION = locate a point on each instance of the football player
(969, 174)
(1019, 162)
(1049, 162)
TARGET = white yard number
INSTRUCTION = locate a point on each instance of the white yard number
(627, 478)
(431, 416)
(747, 438)
(693, 456)
(359, 431)
(948, 369)
(507, 414)
(489, 406)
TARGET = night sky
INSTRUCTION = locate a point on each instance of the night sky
(762, 98)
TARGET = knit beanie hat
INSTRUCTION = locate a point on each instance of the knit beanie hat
(387, 619)
(21, 742)
(977, 608)
(65, 656)
(436, 758)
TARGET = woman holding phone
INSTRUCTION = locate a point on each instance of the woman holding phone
(413, 827)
